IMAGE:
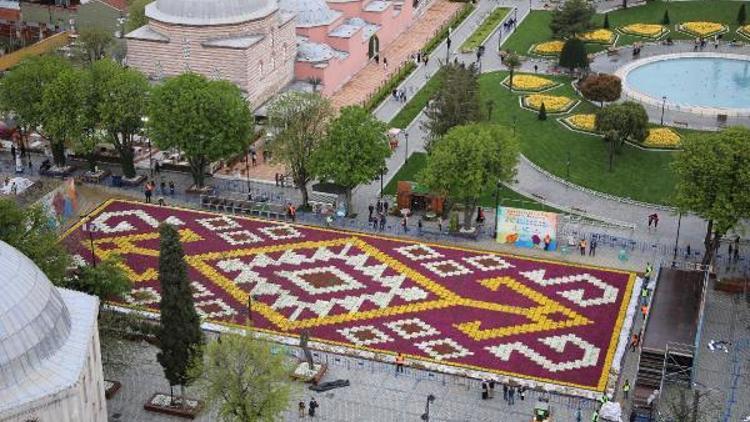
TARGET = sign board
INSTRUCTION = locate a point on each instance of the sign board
(526, 228)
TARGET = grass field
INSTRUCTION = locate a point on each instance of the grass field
(417, 102)
(485, 29)
(535, 28)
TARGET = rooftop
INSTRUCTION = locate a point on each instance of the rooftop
(310, 13)
(209, 12)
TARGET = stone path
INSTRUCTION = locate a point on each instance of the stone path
(368, 80)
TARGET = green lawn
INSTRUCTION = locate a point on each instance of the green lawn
(535, 28)
(641, 175)
(508, 197)
(417, 102)
(485, 29)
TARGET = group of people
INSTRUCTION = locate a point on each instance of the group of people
(399, 95)
(509, 391)
(700, 43)
(583, 244)
(311, 408)
(150, 187)
(378, 214)
(420, 57)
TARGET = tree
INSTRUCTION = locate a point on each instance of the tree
(179, 336)
(136, 15)
(512, 62)
(601, 87)
(457, 103)
(21, 90)
(605, 25)
(573, 17)
(353, 151)
(468, 159)
(207, 120)
(65, 110)
(573, 54)
(741, 15)
(95, 41)
(28, 229)
(711, 172)
(665, 19)
(628, 119)
(542, 112)
(244, 380)
(107, 280)
(122, 102)
(298, 121)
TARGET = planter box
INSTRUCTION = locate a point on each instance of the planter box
(160, 403)
(302, 372)
(135, 181)
(111, 388)
(58, 171)
(731, 285)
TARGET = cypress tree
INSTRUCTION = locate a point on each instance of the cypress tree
(179, 333)
(665, 19)
(542, 112)
(573, 55)
(741, 17)
(606, 21)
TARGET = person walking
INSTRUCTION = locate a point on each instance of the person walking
(626, 388)
(301, 407)
(582, 246)
(511, 395)
(505, 392)
(644, 311)
(312, 407)
(404, 224)
(634, 342)
(171, 187)
(382, 222)
(649, 270)
(644, 294)
(370, 209)
(547, 241)
(592, 248)
(419, 226)
(147, 191)
(485, 390)
(492, 388)
(522, 393)
(400, 363)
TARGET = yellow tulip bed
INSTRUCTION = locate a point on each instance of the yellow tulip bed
(582, 122)
(549, 48)
(744, 30)
(598, 36)
(552, 103)
(646, 30)
(662, 137)
(530, 83)
(702, 29)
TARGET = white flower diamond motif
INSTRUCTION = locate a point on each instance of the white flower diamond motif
(240, 237)
(447, 268)
(412, 328)
(79, 261)
(419, 252)
(321, 280)
(214, 308)
(142, 296)
(174, 221)
(199, 290)
(219, 223)
(488, 262)
(281, 232)
(443, 349)
(365, 335)
(100, 222)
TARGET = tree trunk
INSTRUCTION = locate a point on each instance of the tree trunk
(126, 161)
(348, 201)
(510, 85)
(58, 152)
(711, 243)
(468, 214)
(303, 191)
(91, 159)
(197, 167)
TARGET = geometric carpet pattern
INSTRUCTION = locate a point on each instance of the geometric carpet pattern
(522, 317)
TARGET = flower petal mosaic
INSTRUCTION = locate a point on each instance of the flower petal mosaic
(598, 36)
(542, 321)
(584, 122)
(552, 103)
(524, 82)
(548, 48)
(646, 30)
(703, 29)
(662, 137)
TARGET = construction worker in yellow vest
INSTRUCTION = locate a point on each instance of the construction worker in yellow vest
(626, 388)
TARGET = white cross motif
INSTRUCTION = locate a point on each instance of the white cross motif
(609, 293)
(557, 343)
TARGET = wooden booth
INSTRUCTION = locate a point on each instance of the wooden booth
(416, 197)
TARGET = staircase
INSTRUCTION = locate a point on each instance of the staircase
(674, 365)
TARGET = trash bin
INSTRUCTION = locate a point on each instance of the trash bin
(117, 181)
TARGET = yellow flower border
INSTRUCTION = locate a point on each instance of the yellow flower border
(552, 83)
(744, 31)
(606, 367)
(680, 27)
(625, 31)
(590, 37)
(662, 138)
(572, 103)
(534, 48)
(570, 125)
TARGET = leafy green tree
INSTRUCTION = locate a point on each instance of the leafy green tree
(601, 87)
(21, 90)
(94, 42)
(107, 280)
(741, 15)
(180, 337)
(457, 103)
(28, 229)
(353, 151)
(711, 172)
(244, 380)
(136, 15)
(65, 115)
(573, 55)
(207, 120)
(298, 121)
(468, 159)
(512, 62)
(628, 119)
(542, 112)
(122, 102)
(605, 25)
(573, 17)
(665, 19)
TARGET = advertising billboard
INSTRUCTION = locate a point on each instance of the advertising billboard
(527, 228)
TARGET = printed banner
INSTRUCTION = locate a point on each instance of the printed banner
(527, 228)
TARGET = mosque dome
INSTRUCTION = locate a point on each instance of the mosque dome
(209, 12)
(310, 13)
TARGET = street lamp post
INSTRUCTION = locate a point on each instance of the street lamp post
(406, 153)
(247, 172)
(250, 299)
(514, 125)
(426, 415)
(663, 105)
(447, 48)
(90, 229)
(497, 202)
(148, 138)
(567, 163)
(677, 238)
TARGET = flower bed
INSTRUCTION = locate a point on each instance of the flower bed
(744, 31)
(303, 373)
(662, 137)
(531, 83)
(162, 403)
(549, 48)
(582, 122)
(598, 36)
(450, 309)
(702, 29)
(552, 103)
(484, 30)
(645, 30)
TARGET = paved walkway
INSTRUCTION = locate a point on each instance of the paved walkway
(368, 80)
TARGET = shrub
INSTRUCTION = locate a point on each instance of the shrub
(542, 112)
(665, 19)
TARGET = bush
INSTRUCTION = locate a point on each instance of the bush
(601, 87)
(665, 19)
(542, 112)
(741, 15)
(453, 223)
(606, 21)
(573, 55)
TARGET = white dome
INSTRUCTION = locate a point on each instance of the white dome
(209, 12)
(34, 321)
(310, 12)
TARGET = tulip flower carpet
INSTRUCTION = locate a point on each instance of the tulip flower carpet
(445, 307)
